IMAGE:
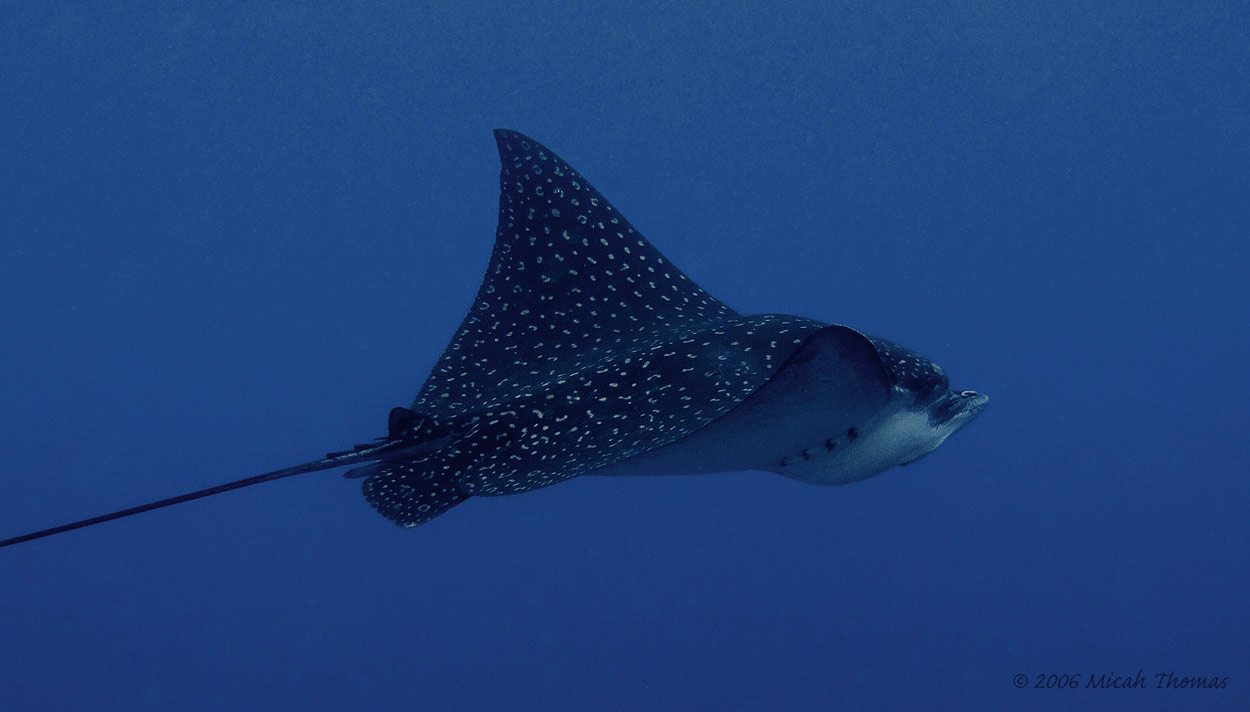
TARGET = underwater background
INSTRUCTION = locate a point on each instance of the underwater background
(234, 235)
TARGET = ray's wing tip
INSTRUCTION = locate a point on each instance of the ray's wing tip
(505, 136)
(515, 146)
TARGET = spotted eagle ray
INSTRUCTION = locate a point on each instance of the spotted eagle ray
(586, 352)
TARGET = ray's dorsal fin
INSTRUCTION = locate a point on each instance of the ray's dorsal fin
(401, 421)
(569, 277)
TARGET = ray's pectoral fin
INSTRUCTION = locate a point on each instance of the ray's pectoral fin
(837, 370)
(833, 383)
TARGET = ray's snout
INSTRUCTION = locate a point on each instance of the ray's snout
(974, 400)
(960, 408)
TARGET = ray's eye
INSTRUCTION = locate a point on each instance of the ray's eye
(967, 394)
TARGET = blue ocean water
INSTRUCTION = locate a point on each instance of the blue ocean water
(233, 235)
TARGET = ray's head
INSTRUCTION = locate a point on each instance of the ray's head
(949, 410)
